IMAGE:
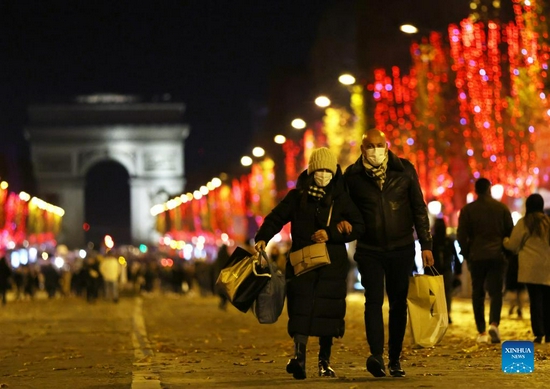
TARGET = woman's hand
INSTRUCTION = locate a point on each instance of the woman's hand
(319, 236)
(260, 246)
(344, 227)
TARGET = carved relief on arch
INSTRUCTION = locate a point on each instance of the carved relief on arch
(88, 158)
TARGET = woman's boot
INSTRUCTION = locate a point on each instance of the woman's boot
(297, 365)
(325, 345)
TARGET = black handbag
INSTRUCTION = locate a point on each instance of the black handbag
(242, 280)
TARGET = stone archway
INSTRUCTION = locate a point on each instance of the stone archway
(107, 202)
(147, 139)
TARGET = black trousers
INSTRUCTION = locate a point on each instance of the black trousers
(539, 304)
(391, 269)
(487, 277)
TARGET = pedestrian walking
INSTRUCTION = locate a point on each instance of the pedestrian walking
(387, 191)
(110, 270)
(530, 238)
(51, 279)
(316, 300)
(5, 275)
(93, 278)
(446, 261)
(482, 225)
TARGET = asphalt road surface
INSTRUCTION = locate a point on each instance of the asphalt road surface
(171, 341)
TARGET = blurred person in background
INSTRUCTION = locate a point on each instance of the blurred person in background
(514, 289)
(482, 225)
(93, 278)
(51, 279)
(446, 261)
(5, 276)
(110, 270)
(316, 300)
(530, 238)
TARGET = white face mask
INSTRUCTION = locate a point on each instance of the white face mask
(376, 156)
(322, 179)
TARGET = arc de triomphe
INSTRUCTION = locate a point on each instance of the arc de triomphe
(146, 138)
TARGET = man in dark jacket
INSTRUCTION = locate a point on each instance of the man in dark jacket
(482, 226)
(386, 190)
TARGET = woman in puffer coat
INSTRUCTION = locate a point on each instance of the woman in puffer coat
(531, 239)
(316, 300)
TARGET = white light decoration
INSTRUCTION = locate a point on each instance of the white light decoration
(216, 182)
(322, 101)
(497, 191)
(298, 124)
(59, 262)
(279, 139)
(246, 161)
(346, 79)
(408, 29)
(82, 254)
(434, 207)
(258, 152)
(469, 197)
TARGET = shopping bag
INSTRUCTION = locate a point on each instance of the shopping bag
(309, 258)
(269, 304)
(243, 279)
(427, 306)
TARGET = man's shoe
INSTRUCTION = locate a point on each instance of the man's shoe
(325, 370)
(538, 339)
(482, 338)
(375, 366)
(395, 369)
(494, 334)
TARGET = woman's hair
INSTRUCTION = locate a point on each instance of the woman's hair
(536, 221)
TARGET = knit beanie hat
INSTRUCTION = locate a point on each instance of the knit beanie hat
(322, 158)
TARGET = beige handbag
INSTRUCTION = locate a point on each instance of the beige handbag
(312, 256)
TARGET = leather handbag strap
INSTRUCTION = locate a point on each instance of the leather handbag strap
(330, 213)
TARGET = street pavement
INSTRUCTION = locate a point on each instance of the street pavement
(170, 341)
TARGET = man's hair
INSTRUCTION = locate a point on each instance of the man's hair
(482, 186)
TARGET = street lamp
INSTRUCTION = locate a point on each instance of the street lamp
(408, 29)
(246, 161)
(322, 101)
(279, 139)
(258, 152)
(298, 124)
(346, 79)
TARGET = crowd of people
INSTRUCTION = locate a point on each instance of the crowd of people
(104, 277)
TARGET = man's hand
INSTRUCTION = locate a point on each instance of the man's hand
(427, 258)
(344, 227)
(319, 236)
(259, 246)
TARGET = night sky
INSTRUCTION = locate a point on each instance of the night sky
(221, 58)
(214, 56)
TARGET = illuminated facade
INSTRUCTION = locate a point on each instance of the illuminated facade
(147, 139)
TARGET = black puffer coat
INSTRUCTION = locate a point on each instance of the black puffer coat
(316, 300)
